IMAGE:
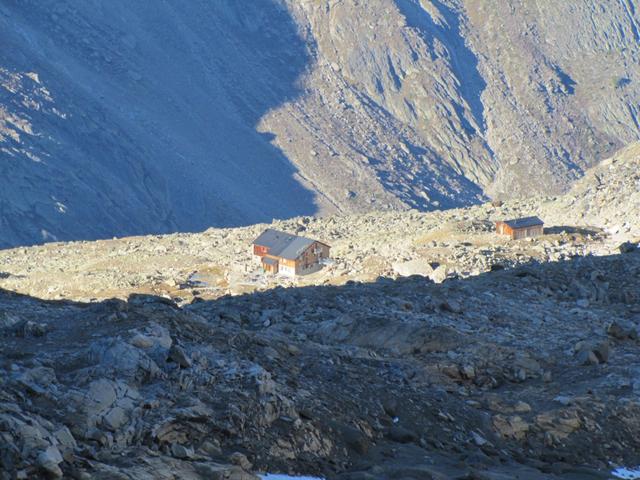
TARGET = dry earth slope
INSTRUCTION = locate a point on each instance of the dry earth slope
(120, 118)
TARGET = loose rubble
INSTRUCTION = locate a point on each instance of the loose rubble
(153, 357)
(494, 373)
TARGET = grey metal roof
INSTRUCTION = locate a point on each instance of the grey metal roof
(274, 240)
(269, 261)
(524, 222)
(295, 248)
(282, 244)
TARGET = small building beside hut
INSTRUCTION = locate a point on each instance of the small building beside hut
(521, 227)
(289, 255)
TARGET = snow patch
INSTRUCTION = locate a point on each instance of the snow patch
(277, 476)
(627, 473)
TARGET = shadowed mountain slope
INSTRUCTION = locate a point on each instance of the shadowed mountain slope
(120, 118)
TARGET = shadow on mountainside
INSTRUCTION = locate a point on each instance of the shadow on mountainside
(142, 118)
(524, 373)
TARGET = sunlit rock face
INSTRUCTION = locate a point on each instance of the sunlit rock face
(120, 118)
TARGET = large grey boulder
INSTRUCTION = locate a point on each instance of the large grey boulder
(417, 266)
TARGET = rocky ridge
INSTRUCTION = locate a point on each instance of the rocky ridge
(608, 195)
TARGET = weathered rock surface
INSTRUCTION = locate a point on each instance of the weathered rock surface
(607, 196)
(161, 357)
(486, 372)
(123, 119)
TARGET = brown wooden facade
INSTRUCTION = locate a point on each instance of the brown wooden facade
(313, 255)
(260, 250)
(518, 233)
(270, 264)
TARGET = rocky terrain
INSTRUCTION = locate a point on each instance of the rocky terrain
(597, 215)
(123, 119)
(527, 373)
(430, 349)
(608, 195)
